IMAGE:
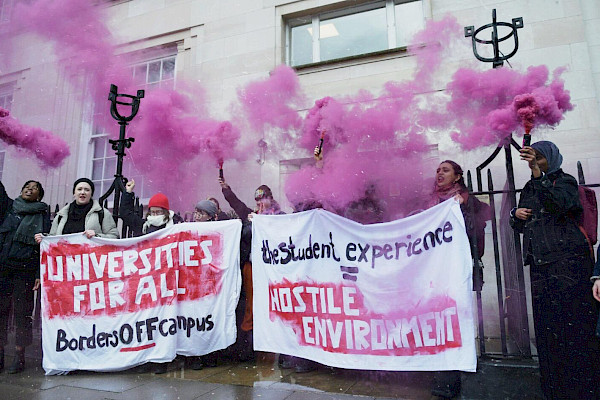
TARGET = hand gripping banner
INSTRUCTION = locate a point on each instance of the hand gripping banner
(394, 296)
(111, 304)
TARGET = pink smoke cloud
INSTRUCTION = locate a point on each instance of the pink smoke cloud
(171, 138)
(173, 130)
(49, 149)
(273, 101)
(489, 106)
(369, 138)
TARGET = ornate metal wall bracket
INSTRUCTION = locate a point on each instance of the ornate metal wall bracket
(119, 145)
(498, 59)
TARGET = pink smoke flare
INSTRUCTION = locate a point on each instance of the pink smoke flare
(527, 109)
(485, 105)
(49, 149)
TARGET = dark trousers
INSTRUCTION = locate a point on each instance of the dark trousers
(16, 285)
(564, 316)
(446, 384)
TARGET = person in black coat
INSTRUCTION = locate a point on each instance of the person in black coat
(159, 216)
(557, 251)
(21, 220)
(265, 204)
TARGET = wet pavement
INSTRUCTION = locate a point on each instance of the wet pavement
(263, 379)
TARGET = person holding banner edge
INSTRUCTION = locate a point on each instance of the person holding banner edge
(159, 216)
(265, 204)
(557, 251)
(205, 211)
(449, 183)
(20, 220)
(84, 214)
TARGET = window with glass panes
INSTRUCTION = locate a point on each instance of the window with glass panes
(157, 73)
(6, 99)
(6, 7)
(358, 30)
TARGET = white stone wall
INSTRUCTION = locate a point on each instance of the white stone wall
(225, 44)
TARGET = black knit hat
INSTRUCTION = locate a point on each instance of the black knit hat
(86, 180)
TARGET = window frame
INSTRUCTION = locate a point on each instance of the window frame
(316, 17)
(6, 8)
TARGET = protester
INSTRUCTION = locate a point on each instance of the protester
(205, 211)
(20, 220)
(559, 256)
(302, 365)
(159, 216)
(369, 209)
(450, 183)
(265, 204)
(84, 214)
(221, 215)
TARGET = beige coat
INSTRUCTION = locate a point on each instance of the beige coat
(92, 221)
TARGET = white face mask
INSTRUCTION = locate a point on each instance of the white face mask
(156, 220)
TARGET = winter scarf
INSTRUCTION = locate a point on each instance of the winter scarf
(32, 219)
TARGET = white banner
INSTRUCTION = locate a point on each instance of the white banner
(394, 296)
(110, 304)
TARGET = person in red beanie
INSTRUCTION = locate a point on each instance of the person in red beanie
(159, 215)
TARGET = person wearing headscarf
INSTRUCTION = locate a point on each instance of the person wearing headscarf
(21, 221)
(558, 254)
(84, 214)
(450, 182)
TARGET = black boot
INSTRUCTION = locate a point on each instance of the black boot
(159, 368)
(196, 363)
(18, 364)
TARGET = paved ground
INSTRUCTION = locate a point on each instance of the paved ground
(263, 380)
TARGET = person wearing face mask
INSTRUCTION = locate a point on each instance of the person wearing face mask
(558, 254)
(449, 182)
(21, 220)
(159, 216)
(84, 214)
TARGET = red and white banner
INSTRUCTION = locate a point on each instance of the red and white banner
(394, 296)
(110, 304)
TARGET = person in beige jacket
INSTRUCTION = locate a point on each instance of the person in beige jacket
(84, 215)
